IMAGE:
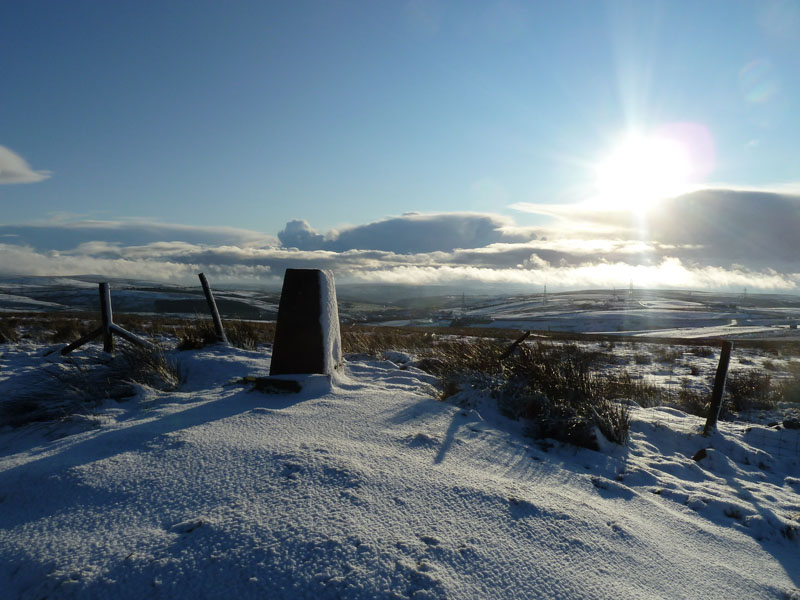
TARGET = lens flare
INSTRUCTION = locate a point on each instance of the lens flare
(644, 168)
(641, 170)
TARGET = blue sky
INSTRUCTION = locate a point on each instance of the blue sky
(250, 115)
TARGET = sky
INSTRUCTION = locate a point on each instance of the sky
(575, 144)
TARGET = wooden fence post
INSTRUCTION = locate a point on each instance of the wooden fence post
(212, 306)
(719, 387)
(107, 329)
(106, 316)
(513, 346)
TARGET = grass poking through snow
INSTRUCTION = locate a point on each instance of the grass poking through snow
(77, 385)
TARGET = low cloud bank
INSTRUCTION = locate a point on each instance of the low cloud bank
(714, 240)
(411, 233)
(750, 227)
(136, 232)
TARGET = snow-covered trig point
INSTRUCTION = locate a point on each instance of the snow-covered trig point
(307, 338)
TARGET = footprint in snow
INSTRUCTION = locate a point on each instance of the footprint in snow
(521, 508)
(291, 470)
(617, 528)
(612, 489)
(188, 526)
(417, 580)
(421, 440)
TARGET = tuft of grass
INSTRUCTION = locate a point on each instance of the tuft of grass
(621, 386)
(199, 333)
(554, 386)
(750, 390)
(789, 390)
(464, 356)
(702, 351)
(195, 335)
(76, 386)
(665, 354)
(145, 366)
(642, 359)
(249, 334)
(65, 331)
(693, 401)
(8, 331)
(373, 341)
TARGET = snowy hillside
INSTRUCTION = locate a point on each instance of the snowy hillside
(368, 487)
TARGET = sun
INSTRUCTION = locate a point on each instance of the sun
(641, 170)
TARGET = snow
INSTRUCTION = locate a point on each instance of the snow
(329, 322)
(365, 486)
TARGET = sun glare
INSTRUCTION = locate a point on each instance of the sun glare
(642, 170)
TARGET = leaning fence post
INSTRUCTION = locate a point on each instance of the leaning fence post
(107, 329)
(513, 346)
(106, 317)
(212, 306)
(719, 387)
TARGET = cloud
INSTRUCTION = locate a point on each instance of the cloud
(68, 236)
(299, 234)
(179, 263)
(14, 169)
(749, 227)
(714, 239)
(410, 233)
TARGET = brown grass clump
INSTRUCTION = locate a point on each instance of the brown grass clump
(788, 390)
(65, 331)
(554, 386)
(8, 331)
(750, 390)
(359, 339)
(693, 401)
(247, 335)
(77, 385)
(199, 332)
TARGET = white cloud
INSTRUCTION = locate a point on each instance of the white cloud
(14, 169)
(410, 233)
(717, 239)
(132, 232)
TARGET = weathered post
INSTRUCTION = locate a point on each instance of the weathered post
(106, 317)
(719, 387)
(307, 336)
(107, 328)
(212, 307)
(513, 346)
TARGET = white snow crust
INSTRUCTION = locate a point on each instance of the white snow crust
(329, 322)
(366, 486)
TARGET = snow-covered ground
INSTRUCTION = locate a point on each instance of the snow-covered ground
(366, 486)
(134, 296)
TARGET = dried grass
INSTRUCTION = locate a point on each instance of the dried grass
(77, 385)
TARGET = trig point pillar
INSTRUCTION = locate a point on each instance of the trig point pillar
(307, 338)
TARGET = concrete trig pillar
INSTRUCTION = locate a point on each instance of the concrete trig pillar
(307, 336)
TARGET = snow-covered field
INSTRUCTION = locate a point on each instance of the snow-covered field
(25, 294)
(366, 486)
(679, 314)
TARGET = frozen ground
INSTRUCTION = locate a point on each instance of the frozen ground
(669, 313)
(367, 487)
(132, 296)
